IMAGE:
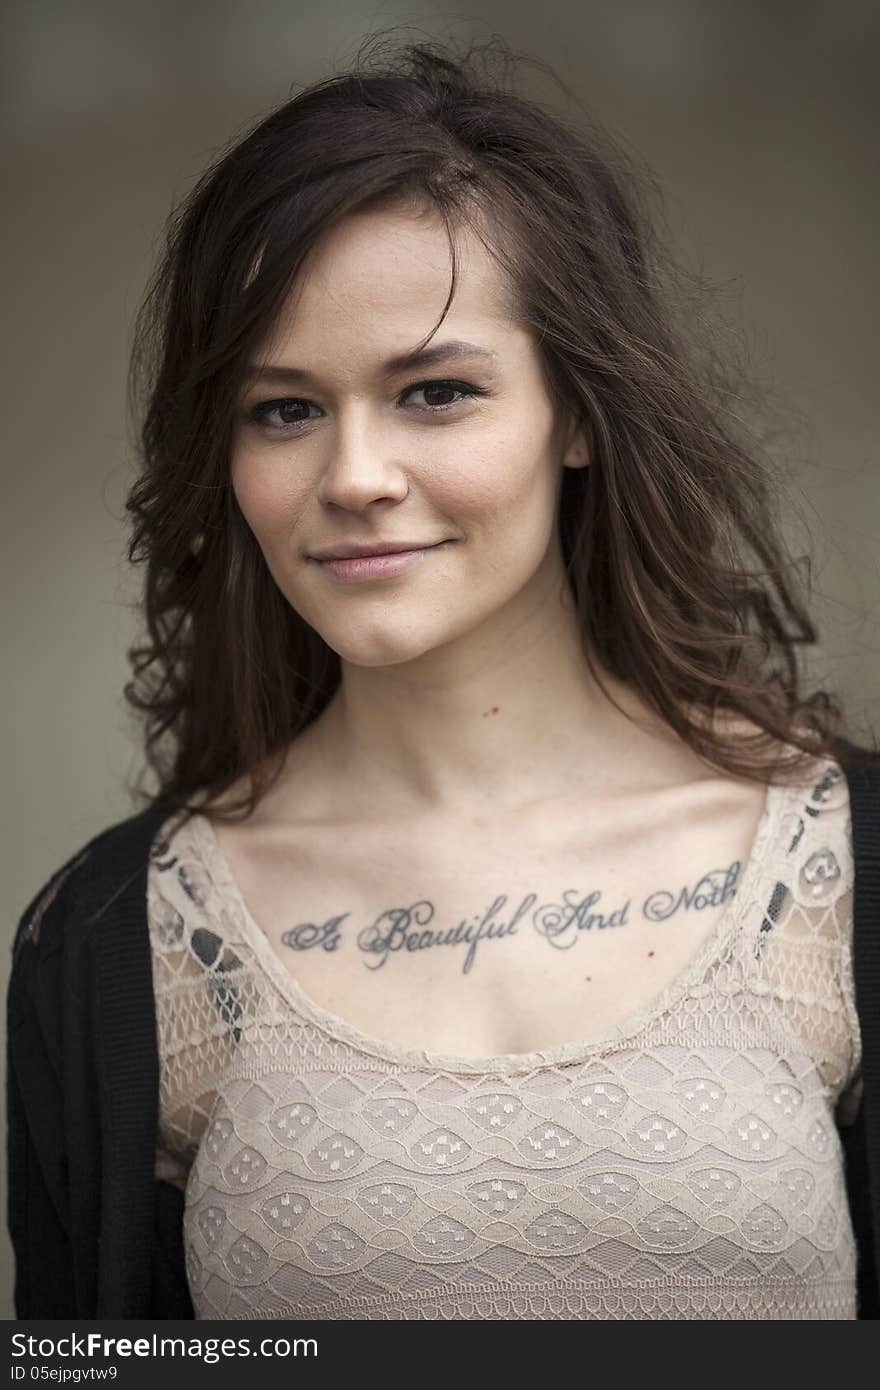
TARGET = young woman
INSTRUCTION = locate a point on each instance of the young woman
(495, 907)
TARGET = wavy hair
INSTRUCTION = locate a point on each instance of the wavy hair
(671, 541)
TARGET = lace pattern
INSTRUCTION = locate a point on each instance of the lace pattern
(685, 1166)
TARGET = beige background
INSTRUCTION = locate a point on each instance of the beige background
(759, 121)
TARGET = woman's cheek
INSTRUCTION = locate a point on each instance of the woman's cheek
(267, 503)
(478, 480)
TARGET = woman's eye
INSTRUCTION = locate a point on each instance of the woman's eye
(285, 411)
(287, 415)
(444, 388)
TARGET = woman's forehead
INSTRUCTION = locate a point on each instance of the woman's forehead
(381, 283)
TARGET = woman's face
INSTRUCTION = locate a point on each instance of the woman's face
(334, 444)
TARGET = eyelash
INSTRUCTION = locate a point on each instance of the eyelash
(259, 413)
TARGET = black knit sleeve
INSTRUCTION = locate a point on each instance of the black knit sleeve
(852, 1137)
(94, 1232)
(37, 1188)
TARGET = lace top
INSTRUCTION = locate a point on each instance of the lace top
(686, 1165)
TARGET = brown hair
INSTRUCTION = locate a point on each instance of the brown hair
(670, 538)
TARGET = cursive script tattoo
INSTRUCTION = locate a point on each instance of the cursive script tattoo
(308, 934)
(408, 928)
(708, 891)
(553, 921)
(560, 925)
(394, 931)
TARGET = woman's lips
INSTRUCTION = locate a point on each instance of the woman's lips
(364, 567)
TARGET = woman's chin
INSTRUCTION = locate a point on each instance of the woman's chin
(388, 650)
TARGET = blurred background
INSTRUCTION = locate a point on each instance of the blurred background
(758, 122)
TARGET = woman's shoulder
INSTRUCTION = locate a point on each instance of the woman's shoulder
(89, 879)
(181, 881)
(827, 774)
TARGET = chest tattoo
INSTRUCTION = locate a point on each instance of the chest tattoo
(412, 927)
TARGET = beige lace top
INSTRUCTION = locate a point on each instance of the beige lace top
(687, 1165)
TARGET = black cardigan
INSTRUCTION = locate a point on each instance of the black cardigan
(94, 1233)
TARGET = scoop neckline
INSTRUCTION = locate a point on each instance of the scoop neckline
(504, 1062)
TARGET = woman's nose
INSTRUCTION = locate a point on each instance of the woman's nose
(360, 465)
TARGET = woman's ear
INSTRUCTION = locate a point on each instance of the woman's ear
(576, 451)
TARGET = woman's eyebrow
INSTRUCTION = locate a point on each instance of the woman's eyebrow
(430, 356)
